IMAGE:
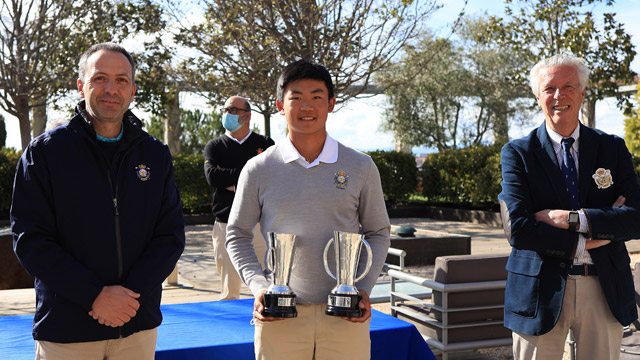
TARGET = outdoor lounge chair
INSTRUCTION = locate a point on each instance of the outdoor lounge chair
(467, 307)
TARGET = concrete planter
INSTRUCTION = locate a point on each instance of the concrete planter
(12, 274)
(490, 218)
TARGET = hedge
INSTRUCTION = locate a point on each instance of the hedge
(195, 192)
(463, 176)
(398, 174)
(8, 162)
(469, 175)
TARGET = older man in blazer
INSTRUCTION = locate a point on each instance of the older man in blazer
(570, 199)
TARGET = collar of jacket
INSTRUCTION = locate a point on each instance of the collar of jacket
(81, 123)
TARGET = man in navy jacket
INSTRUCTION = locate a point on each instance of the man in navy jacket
(570, 199)
(97, 220)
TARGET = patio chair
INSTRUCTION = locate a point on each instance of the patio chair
(467, 307)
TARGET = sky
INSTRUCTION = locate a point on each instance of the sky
(358, 123)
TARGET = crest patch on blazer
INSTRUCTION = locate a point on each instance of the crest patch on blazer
(143, 172)
(603, 178)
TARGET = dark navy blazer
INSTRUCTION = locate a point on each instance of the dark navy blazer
(542, 254)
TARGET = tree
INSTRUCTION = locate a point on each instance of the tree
(29, 37)
(159, 84)
(537, 29)
(199, 128)
(632, 127)
(3, 132)
(242, 45)
(459, 96)
(41, 41)
(426, 110)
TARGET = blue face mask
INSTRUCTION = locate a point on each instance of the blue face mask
(230, 122)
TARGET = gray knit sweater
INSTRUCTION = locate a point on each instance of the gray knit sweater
(310, 203)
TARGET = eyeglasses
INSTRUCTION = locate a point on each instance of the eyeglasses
(233, 110)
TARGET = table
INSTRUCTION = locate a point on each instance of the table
(222, 330)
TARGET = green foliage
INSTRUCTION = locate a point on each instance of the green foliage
(398, 173)
(197, 129)
(632, 127)
(636, 164)
(155, 127)
(448, 94)
(8, 161)
(469, 175)
(195, 192)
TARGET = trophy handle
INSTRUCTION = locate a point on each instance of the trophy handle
(326, 263)
(269, 261)
(369, 261)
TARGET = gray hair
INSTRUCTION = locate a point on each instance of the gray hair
(559, 60)
(109, 46)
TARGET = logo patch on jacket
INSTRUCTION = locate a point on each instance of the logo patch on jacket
(341, 179)
(143, 172)
(603, 178)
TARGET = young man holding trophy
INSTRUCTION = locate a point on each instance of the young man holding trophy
(310, 193)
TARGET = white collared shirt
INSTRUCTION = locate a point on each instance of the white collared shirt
(329, 153)
(241, 140)
(582, 256)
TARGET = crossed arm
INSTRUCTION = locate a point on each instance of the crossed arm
(558, 218)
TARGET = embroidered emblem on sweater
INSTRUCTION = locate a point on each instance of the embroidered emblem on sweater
(259, 151)
(603, 178)
(143, 172)
(341, 178)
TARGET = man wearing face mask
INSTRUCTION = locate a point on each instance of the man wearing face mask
(224, 158)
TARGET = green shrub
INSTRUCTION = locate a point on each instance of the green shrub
(469, 175)
(398, 173)
(8, 160)
(194, 189)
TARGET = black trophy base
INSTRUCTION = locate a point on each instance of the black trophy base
(344, 305)
(280, 305)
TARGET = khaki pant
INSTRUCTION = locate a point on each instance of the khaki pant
(312, 335)
(138, 346)
(229, 278)
(585, 310)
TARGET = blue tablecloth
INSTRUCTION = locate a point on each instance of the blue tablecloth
(221, 330)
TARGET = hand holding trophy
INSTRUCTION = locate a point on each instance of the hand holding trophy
(344, 298)
(279, 299)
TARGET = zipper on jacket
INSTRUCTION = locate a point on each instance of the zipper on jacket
(118, 238)
(119, 247)
(117, 217)
(114, 190)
